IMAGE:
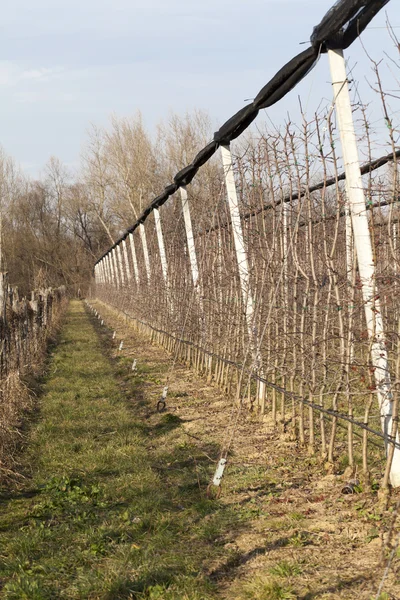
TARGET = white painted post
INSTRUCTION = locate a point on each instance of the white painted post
(103, 271)
(363, 248)
(127, 265)
(110, 269)
(106, 270)
(145, 250)
(190, 238)
(241, 256)
(115, 267)
(121, 264)
(161, 247)
(99, 269)
(134, 258)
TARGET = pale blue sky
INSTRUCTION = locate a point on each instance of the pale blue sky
(65, 64)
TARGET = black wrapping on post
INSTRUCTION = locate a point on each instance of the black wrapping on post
(286, 78)
(205, 154)
(236, 124)
(360, 22)
(171, 189)
(335, 19)
(159, 200)
(185, 176)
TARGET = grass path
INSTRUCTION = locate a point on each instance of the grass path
(98, 518)
(113, 505)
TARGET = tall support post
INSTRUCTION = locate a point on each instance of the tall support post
(161, 246)
(103, 271)
(363, 248)
(134, 258)
(115, 267)
(145, 250)
(110, 269)
(193, 264)
(120, 259)
(106, 272)
(126, 261)
(190, 238)
(242, 261)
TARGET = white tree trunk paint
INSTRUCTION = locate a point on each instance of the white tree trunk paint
(350, 257)
(363, 248)
(241, 256)
(126, 261)
(145, 250)
(349, 242)
(161, 246)
(134, 258)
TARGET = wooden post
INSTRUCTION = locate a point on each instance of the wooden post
(364, 253)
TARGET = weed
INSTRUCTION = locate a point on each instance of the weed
(296, 516)
(300, 538)
(286, 569)
(267, 589)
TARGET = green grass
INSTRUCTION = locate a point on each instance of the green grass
(266, 589)
(101, 516)
(285, 568)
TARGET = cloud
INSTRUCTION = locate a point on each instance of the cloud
(12, 73)
(8, 73)
(42, 74)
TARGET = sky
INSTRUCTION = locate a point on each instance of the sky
(65, 65)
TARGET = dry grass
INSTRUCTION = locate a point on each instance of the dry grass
(18, 397)
(15, 402)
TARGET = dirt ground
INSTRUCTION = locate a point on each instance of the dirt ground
(301, 536)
